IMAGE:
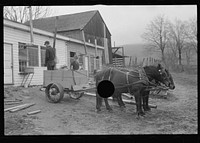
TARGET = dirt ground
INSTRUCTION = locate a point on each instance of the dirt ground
(175, 114)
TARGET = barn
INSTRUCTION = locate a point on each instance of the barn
(20, 56)
(86, 26)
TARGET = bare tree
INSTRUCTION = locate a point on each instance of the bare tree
(191, 32)
(177, 35)
(21, 13)
(156, 34)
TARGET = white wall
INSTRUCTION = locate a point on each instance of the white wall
(16, 32)
(14, 36)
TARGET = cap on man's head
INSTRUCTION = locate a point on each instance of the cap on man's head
(46, 42)
(75, 57)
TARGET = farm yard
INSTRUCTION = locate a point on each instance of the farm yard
(176, 113)
(51, 46)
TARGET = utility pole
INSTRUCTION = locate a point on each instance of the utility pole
(31, 24)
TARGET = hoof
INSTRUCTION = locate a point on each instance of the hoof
(123, 108)
(147, 109)
(98, 110)
(141, 113)
(109, 109)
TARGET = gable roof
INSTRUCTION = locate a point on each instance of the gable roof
(65, 22)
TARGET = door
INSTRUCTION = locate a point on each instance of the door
(8, 64)
(86, 63)
(91, 64)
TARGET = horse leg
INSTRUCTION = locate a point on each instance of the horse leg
(121, 101)
(138, 104)
(145, 98)
(147, 102)
(107, 104)
(98, 102)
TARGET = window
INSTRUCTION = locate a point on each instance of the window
(97, 64)
(43, 52)
(28, 56)
(33, 56)
(22, 57)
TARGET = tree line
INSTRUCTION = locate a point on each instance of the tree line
(172, 39)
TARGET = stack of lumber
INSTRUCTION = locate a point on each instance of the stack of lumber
(19, 107)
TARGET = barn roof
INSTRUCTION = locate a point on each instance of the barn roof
(65, 22)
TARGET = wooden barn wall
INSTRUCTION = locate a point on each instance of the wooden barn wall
(13, 36)
(79, 49)
(75, 34)
(95, 26)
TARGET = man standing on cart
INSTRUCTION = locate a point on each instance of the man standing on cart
(74, 66)
(50, 56)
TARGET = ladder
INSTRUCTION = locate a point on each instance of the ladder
(26, 75)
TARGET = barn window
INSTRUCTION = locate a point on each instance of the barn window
(28, 56)
(43, 52)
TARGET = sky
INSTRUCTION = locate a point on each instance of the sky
(127, 23)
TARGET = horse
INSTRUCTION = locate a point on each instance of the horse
(159, 76)
(133, 81)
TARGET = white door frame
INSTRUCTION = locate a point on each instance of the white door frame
(11, 63)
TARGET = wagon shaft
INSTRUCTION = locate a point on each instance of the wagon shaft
(124, 100)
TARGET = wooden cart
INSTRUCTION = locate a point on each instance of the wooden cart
(58, 82)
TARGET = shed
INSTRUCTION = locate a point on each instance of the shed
(17, 53)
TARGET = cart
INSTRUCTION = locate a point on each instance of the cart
(75, 84)
(58, 82)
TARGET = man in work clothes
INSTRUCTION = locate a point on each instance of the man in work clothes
(50, 56)
(74, 66)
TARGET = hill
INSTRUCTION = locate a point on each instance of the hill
(138, 50)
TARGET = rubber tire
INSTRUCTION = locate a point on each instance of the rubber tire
(61, 91)
(80, 94)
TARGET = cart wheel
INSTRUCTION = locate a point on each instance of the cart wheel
(76, 95)
(54, 92)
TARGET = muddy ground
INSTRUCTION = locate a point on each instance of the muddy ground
(175, 114)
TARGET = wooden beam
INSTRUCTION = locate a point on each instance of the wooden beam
(115, 47)
(31, 24)
(124, 100)
(55, 32)
(83, 36)
(20, 108)
(15, 107)
(123, 56)
(34, 112)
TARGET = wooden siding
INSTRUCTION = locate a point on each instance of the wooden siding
(79, 49)
(13, 36)
(118, 62)
(17, 32)
(95, 26)
(76, 34)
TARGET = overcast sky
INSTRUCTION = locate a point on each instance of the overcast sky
(128, 23)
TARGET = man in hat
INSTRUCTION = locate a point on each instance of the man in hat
(50, 56)
(75, 64)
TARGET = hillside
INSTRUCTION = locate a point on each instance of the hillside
(139, 51)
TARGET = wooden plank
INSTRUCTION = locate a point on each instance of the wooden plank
(11, 103)
(15, 107)
(16, 100)
(20, 108)
(34, 112)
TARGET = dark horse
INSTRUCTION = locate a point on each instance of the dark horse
(135, 82)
